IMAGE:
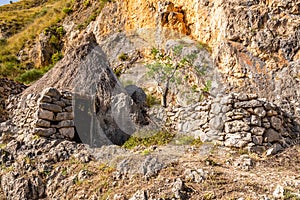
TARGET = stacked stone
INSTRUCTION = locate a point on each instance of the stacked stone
(21, 110)
(192, 120)
(7, 88)
(237, 120)
(49, 114)
(54, 117)
(257, 124)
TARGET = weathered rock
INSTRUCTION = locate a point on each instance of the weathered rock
(64, 116)
(51, 107)
(259, 131)
(140, 195)
(236, 126)
(272, 136)
(52, 92)
(45, 114)
(248, 104)
(274, 149)
(44, 132)
(67, 132)
(43, 123)
(276, 123)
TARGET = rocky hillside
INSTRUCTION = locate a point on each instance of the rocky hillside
(150, 99)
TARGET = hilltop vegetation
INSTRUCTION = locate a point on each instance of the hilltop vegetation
(23, 22)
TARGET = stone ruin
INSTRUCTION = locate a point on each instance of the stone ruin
(49, 114)
(237, 120)
(233, 120)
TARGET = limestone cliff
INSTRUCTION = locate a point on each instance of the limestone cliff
(254, 44)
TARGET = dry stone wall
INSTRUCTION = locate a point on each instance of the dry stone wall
(237, 120)
(49, 114)
(7, 88)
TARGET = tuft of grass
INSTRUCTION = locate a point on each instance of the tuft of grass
(159, 138)
(151, 100)
(123, 57)
(67, 11)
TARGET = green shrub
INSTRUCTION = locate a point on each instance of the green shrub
(56, 57)
(68, 11)
(159, 138)
(60, 31)
(152, 100)
(30, 76)
(3, 41)
(123, 57)
(87, 3)
(207, 86)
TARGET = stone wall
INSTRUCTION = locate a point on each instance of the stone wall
(7, 88)
(49, 114)
(237, 120)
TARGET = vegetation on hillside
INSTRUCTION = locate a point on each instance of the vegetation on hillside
(26, 20)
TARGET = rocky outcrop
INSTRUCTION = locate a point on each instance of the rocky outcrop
(253, 43)
(103, 112)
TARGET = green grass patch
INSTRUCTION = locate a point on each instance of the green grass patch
(159, 138)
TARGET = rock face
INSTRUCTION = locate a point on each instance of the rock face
(254, 43)
(101, 110)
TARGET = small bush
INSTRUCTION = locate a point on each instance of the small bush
(123, 57)
(87, 3)
(30, 76)
(3, 41)
(152, 100)
(60, 31)
(207, 86)
(56, 57)
(68, 11)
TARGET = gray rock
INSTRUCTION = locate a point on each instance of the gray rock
(272, 136)
(276, 123)
(216, 108)
(177, 188)
(140, 195)
(260, 112)
(274, 149)
(236, 126)
(51, 107)
(151, 166)
(45, 114)
(66, 124)
(209, 136)
(64, 116)
(217, 123)
(44, 132)
(255, 120)
(52, 92)
(248, 104)
(69, 109)
(137, 94)
(45, 99)
(258, 149)
(67, 132)
(259, 131)
(258, 140)
(196, 176)
(278, 192)
(42, 123)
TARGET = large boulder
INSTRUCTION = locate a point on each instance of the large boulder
(103, 111)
